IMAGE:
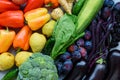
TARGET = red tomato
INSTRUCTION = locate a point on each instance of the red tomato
(19, 2)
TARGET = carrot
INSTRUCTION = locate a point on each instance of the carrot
(65, 5)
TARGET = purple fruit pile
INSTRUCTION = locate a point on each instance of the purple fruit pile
(89, 57)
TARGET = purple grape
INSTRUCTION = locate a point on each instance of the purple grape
(106, 13)
(108, 3)
(72, 48)
(88, 35)
(76, 55)
(88, 45)
(83, 52)
(117, 6)
(65, 56)
(80, 42)
(59, 67)
(67, 66)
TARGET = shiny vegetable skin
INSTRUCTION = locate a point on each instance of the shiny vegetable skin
(77, 7)
(51, 3)
(22, 38)
(114, 65)
(13, 19)
(6, 39)
(36, 18)
(78, 72)
(11, 75)
(7, 5)
(87, 13)
(98, 72)
(32, 4)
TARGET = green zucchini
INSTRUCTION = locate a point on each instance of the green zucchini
(87, 13)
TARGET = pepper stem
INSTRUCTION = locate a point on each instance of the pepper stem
(49, 5)
(100, 61)
(18, 50)
(7, 29)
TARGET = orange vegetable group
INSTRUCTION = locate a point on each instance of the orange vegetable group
(36, 18)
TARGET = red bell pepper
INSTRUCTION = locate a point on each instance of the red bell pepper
(32, 4)
(19, 2)
(14, 19)
(6, 5)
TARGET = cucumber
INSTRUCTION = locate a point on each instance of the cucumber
(87, 13)
(11, 75)
(77, 7)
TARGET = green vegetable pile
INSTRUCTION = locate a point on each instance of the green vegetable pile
(70, 27)
(38, 67)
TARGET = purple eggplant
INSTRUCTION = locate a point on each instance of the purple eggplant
(114, 65)
(98, 72)
(78, 71)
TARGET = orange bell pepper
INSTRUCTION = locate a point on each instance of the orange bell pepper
(51, 3)
(36, 18)
(32, 4)
(6, 5)
(6, 39)
(14, 19)
(22, 38)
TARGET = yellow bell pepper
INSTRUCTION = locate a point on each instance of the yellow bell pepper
(6, 39)
(36, 18)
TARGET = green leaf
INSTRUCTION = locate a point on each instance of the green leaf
(62, 33)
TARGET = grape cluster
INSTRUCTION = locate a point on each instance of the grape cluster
(75, 52)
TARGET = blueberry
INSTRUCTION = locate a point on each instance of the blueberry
(117, 6)
(80, 42)
(67, 66)
(83, 52)
(88, 35)
(72, 48)
(108, 3)
(88, 45)
(76, 55)
(59, 67)
(65, 56)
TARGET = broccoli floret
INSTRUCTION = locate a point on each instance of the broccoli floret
(38, 67)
